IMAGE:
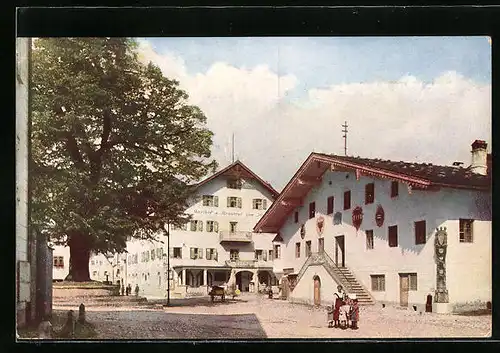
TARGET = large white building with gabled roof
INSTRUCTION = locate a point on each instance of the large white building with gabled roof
(389, 232)
(217, 247)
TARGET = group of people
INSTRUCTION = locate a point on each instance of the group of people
(345, 310)
(128, 289)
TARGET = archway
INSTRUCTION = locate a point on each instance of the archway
(243, 279)
(317, 290)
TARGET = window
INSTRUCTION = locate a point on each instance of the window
(321, 245)
(94, 273)
(369, 239)
(378, 283)
(312, 209)
(181, 227)
(92, 262)
(196, 226)
(177, 253)
(308, 248)
(466, 230)
(152, 255)
(259, 204)
(234, 254)
(329, 205)
(196, 253)
(277, 251)
(296, 217)
(297, 250)
(393, 236)
(211, 254)
(271, 258)
(159, 253)
(394, 189)
(347, 200)
(58, 261)
(234, 183)
(264, 255)
(212, 226)
(369, 193)
(233, 226)
(209, 200)
(258, 255)
(420, 232)
(147, 256)
(234, 202)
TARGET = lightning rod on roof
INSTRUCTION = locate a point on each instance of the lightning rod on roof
(345, 137)
(232, 148)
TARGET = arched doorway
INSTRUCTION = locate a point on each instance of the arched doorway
(243, 279)
(317, 290)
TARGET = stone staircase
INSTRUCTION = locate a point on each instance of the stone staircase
(341, 275)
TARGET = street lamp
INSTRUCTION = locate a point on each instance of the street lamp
(168, 263)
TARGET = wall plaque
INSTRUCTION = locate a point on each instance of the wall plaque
(320, 224)
(357, 217)
(379, 216)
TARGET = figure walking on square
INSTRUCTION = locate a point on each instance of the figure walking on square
(136, 290)
(129, 289)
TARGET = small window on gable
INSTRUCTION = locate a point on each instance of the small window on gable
(296, 217)
(369, 193)
(420, 232)
(234, 183)
(465, 230)
(312, 209)
(347, 200)
(394, 188)
(329, 205)
(297, 250)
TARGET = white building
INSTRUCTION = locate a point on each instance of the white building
(370, 225)
(216, 248)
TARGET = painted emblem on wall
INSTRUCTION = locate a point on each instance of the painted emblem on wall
(357, 217)
(440, 245)
(320, 224)
(302, 231)
(379, 216)
(337, 218)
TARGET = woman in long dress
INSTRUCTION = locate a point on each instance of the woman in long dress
(339, 301)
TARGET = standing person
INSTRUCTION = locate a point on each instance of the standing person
(129, 289)
(123, 289)
(339, 301)
(354, 314)
(136, 290)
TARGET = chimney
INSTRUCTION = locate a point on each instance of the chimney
(479, 157)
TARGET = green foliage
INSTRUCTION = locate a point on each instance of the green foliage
(114, 143)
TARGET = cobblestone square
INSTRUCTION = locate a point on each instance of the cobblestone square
(252, 316)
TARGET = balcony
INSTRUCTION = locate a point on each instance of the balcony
(249, 264)
(238, 236)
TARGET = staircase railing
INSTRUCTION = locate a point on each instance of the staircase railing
(305, 266)
(336, 269)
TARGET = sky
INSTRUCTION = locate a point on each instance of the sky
(416, 99)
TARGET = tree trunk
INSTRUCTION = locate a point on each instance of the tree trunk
(79, 256)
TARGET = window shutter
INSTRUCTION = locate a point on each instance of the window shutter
(192, 255)
(256, 257)
(200, 226)
(239, 202)
(254, 204)
(193, 226)
(228, 201)
(264, 204)
(264, 255)
(216, 255)
(216, 226)
(171, 252)
(200, 253)
(216, 201)
(208, 254)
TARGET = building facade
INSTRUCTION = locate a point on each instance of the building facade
(217, 247)
(370, 225)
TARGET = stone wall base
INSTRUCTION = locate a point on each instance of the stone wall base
(441, 308)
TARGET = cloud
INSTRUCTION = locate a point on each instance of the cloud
(406, 119)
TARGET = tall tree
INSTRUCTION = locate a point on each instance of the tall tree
(115, 146)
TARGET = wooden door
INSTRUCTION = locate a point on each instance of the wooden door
(404, 287)
(339, 251)
(317, 291)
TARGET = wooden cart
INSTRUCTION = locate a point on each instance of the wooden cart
(217, 291)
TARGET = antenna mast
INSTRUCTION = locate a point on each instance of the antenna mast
(345, 137)
(232, 147)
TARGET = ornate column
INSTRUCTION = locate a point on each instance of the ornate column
(440, 245)
(184, 277)
(205, 277)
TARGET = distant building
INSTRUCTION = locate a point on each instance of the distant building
(370, 225)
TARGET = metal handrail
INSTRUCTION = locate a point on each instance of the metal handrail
(332, 264)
